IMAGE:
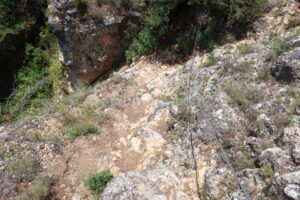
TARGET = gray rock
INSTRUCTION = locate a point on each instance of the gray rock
(296, 153)
(173, 110)
(292, 191)
(296, 42)
(278, 159)
(287, 186)
(155, 182)
(91, 44)
(287, 67)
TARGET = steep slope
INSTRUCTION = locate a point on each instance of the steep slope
(246, 93)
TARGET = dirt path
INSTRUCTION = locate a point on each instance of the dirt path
(124, 143)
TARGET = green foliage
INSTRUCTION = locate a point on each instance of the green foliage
(115, 78)
(80, 3)
(236, 11)
(209, 61)
(243, 49)
(183, 44)
(279, 46)
(38, 190)
(78, 97)
(297, 31)
(205, 40)
(237, 95)
(38, 79)
(97, 182)
(158, 13)
(146, 42)
(266, 170)
(183, 111)
(82, 129)
(36, 136)
(24, 168)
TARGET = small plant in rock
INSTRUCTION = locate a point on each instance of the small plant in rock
(25, 168)
(56, 141)
(38, 190)
(279, 46)
(297, 31)
(115, 78)
(82, 129)
(97, 182)
(243, 49)
(78, 97)
(237, 95)
(265, 75)
(209, 61)
(266, 170)
(36, 136)
(226, 67)
(182, 108)
(293, 22)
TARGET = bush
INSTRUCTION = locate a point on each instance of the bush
(267, 170)
(97, 182)
(235, 11)
(38, 190)
(243, 49)
(237, 95)
(80, 3)
(279, 46)
(38, 78)
(146, 42)
(25, 168)
(82, 129)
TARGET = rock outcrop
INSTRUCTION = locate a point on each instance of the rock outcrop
(287, 67)
(91, 36)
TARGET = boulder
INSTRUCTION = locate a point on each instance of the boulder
(278, 159)
(286, 186)
(156, 182)
(296, 153)
(287, 67)
(91, 36)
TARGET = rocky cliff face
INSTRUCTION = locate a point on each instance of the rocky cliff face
(91, 36)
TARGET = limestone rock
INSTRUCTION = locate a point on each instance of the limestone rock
(287, 67)
(287, 186)
(296, 153)
(156, 182)
(280, 160)
(90, 45)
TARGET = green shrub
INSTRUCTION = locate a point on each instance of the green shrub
(267, 170)
(184, 45)
(209, 61)
(97, 182)
(236, 11)
(146, 42)
(243, 49)
(115, 78)
(82, 129)
(80, 3)
(237, 95)
(25, 168)
(205, 40)
(158, 13)
(297, 31)
(293, 22)
(36, 136)
(38, 190)
(279, 46)
(38, 78)
(182, 108)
